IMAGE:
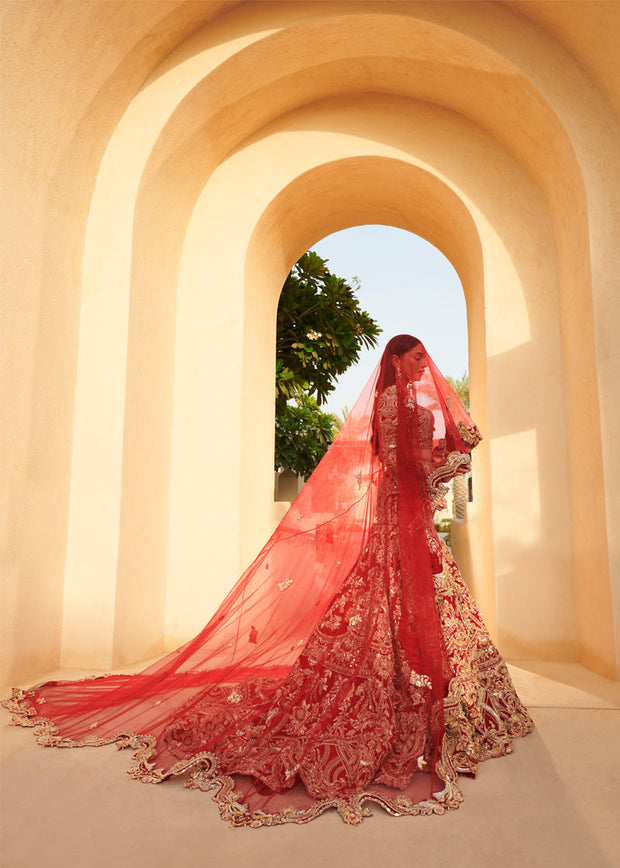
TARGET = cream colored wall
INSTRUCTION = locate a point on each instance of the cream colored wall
(63, 92)
(509, 300)
(152, 219)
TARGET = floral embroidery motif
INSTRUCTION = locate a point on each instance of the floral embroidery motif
(284, 585)
(420, 680)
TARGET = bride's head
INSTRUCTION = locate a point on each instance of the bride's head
(404, 355)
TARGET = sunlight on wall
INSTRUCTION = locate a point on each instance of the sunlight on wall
(152, 219)
(527, 555)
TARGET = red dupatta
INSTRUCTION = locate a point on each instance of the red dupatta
(262, 626)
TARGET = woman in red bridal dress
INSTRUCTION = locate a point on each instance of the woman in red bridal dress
(349, 664)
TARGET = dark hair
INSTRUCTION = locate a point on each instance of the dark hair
(396, 346)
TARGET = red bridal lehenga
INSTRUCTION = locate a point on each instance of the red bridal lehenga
(347, 666)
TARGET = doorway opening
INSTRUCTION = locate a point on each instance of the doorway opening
(406, 285)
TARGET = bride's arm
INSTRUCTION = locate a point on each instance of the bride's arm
(454, 464)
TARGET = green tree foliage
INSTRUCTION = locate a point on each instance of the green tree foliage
(461, 388)
(321, 330)
(303, 434)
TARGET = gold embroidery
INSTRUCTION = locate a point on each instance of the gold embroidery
(470, 436)
(483, 714)
(420, 680)
(450, 467)
(434, 481)
(352, 670)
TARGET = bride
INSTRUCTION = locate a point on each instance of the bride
(349, 664)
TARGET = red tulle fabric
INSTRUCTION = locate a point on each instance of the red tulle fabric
(330, 640)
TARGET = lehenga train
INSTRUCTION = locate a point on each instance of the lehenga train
(349, 720)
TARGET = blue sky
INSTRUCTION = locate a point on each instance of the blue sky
(408, 286)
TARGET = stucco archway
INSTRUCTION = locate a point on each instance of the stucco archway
(159, 211)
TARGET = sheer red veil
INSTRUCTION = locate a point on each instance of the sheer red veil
(261, 628)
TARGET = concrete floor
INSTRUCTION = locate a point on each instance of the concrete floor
(554, 802)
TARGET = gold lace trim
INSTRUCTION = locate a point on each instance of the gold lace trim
(462, 750)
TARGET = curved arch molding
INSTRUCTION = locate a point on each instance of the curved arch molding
(153, 218)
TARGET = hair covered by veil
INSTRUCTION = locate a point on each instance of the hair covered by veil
(264, 623)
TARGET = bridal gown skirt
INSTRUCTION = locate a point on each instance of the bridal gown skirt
(347, 726)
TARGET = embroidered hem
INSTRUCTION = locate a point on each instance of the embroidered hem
(465, 745)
